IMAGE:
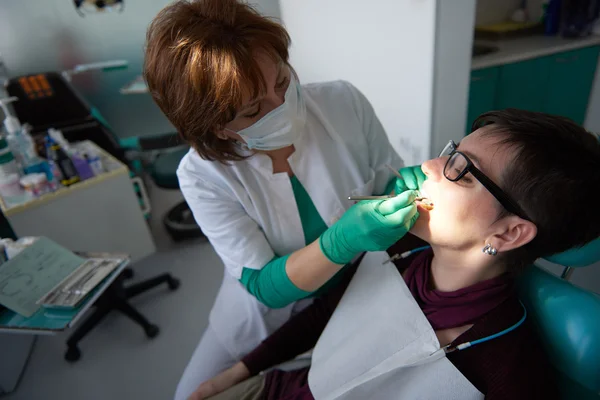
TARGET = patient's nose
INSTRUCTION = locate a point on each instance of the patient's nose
(433, 168)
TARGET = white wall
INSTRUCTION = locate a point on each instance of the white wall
(587, 278)
(454, 37)
(48, 35)
(267, 7)
(384, 47)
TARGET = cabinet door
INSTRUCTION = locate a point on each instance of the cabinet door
(570, 84)
(482, 93)
(523, 84)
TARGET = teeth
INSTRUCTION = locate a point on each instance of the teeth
(427, 206)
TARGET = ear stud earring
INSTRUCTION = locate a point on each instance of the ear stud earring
(490, 250)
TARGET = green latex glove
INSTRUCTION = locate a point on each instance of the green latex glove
(412, 179)
(371, 225)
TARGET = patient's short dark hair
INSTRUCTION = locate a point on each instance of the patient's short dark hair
(554, 177)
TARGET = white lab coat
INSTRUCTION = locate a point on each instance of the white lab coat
(249, 214)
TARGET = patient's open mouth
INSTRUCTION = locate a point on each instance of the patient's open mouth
(424, 201)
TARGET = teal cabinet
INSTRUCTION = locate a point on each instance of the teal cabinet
(558, 84)
(482, 93)
(522, 85)
(570, 82)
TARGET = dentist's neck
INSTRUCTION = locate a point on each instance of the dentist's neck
(456, 269)
(279, 158)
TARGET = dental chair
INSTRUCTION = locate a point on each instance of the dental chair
(567, 319)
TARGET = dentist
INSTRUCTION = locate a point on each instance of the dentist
(269, 171)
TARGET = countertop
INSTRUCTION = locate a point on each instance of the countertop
(128, 115)
(513, 50)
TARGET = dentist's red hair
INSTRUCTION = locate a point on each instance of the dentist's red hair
(200, 61)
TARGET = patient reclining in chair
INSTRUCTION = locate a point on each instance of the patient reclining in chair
(444, 321)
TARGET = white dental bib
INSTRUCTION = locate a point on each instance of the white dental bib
(379, 345)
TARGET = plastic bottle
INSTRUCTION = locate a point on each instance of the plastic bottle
(52, 175)
(23, 147)
(94, 161)
(81, 165)
(18, 137)
(11, 191)
(552, 17)
(58, 138)
(8, 164)
(35, 184)
(62, 164)
(11, 122)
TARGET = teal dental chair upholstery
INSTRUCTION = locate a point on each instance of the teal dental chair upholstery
(567, 319)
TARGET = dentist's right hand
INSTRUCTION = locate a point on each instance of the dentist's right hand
(370, 225)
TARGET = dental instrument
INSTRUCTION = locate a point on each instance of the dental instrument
(405, 254)
(421, 197)
(394, 171)
(358, 198)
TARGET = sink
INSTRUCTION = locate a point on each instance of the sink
(483, 49)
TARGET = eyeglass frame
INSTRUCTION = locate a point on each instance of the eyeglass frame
(504, 199)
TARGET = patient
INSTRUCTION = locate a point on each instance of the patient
(516, 188)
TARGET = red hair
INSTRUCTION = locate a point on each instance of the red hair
(200, 61)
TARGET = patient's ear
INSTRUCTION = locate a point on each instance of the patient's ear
(515, 232)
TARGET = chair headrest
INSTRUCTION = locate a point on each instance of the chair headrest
(566, 318)
(582, 257)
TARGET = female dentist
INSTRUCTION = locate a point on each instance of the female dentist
(270, 169)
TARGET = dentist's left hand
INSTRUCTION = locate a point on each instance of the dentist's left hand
(412, 179)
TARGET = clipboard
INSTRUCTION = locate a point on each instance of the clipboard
(33, 272)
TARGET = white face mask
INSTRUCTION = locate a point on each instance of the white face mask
(280, 127)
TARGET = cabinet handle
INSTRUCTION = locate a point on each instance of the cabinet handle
(477, 78)
(566, 60)
(145, 199)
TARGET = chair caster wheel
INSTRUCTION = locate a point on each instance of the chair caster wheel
(173, 283)
(128, 273)
(73, 354)
(152, 331)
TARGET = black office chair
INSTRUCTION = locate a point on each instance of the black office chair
(179, 222)
(116, 297)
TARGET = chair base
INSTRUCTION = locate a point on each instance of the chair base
(116, 298)
(180, 224)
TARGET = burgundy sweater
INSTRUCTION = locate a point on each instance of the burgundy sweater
(512, 366)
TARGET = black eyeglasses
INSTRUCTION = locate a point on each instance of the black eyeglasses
(458, 165)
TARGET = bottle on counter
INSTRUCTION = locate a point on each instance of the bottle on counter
(94, 161)
(62, 166)
(35, 184)
(18, 137)
(8, 164)
(11, 190)
(23, 147)
(83, 169)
